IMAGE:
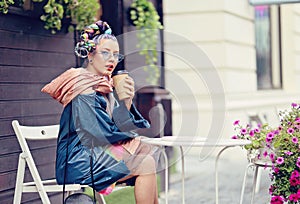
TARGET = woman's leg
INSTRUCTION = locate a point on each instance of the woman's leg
(142, 185)
(145, 189)
(143, 165)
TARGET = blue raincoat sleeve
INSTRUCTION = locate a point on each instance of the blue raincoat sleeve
(128, 121)
(93, 119)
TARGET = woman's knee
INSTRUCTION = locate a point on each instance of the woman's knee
(147, 166)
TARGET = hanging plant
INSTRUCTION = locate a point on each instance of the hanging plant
(144, 16)
(78, 12)
(4, 4)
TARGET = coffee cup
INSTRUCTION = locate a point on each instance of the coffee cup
(119, 81)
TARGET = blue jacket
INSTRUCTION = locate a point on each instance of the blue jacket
(85, 120)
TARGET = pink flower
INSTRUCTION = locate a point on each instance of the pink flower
(272, 156)
(265, 153)
(298, 163)
(295, 140)
(268, 140)
(297, 126)
(271, 189)
(293, 197)
(290, 130)
(294, 105)
(251, 133)
(257, 130)
(293, 181)
(243, 131)
(234, 137)
(276, 200)
(236, 122)
(288, 153)
(276, 170)
(270, 135)
(280, 160)
(295, 174)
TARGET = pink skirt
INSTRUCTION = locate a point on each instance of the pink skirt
(133, 153)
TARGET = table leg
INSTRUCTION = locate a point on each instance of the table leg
(182, 174)
(216, 174)
(166, 175)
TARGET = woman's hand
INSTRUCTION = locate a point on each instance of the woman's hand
(129, 87)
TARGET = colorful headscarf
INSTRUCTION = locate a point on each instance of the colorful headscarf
(87, 44)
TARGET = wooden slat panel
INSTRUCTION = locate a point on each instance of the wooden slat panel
(6, 197)
(29, 198)
(9, 162)
(12, 145)
(8, 179)
(52, 119)
(12, 92)
(12, 39)
(7, 186)
(23, 58)
(6, 128)
(16, 109)
(13, 74)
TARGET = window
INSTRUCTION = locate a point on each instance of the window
(267, 40)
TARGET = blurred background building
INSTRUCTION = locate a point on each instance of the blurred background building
(255, 50)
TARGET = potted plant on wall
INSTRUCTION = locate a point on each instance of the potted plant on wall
(143, 15)
(77, 12)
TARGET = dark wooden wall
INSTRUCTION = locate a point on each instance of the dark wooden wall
(29, 58)
(115, 12)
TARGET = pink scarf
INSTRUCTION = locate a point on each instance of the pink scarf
(72, 82)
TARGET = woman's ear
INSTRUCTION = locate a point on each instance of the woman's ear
(90, 57)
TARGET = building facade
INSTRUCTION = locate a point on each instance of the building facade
(252, 50)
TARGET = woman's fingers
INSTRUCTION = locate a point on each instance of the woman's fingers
(129, 80)
(129, 84)
(129, 87)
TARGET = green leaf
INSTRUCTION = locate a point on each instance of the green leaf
(48, 9)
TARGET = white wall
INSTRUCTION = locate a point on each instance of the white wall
(224, 31)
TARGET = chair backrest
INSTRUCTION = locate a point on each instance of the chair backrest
(35, 132)
(24, 133)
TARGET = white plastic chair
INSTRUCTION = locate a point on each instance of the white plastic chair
(38, 185)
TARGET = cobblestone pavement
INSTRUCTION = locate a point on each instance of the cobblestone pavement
(200, 181)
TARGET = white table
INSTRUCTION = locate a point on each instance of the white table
(188, 141)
